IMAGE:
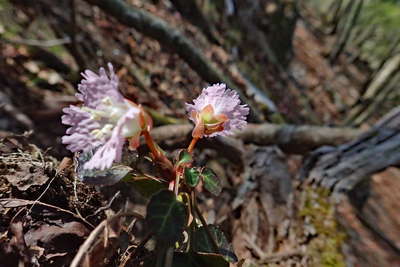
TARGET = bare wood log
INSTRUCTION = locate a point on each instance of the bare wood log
(341, 168)
(158, 29)
(290, 138)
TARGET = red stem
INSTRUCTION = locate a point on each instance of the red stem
(192, 144)
(158, 156)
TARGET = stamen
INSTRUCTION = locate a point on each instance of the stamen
(103, 132)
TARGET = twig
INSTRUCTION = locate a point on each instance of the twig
(141, 245)
(44, 192)
(39, 43)
(281, 256)
(64, 164)
(106, 206)
(24, 202)
(274, 257)
(85, 247)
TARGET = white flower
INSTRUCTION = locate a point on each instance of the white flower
(217, 111)
(104, 121)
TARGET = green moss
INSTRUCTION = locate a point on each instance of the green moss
(325, 247)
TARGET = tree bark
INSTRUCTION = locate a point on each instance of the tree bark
(342, 168)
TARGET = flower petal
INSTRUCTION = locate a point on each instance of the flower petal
(95, 87)
(79, 138)
(111, 151)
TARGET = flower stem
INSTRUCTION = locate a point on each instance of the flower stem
(151, 144)
(177, 179)
(160, 157)
(205, 225)
(192, 144)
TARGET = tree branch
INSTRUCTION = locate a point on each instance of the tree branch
(290, 138)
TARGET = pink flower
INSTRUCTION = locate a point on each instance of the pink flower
(104, 121)
(217, 111)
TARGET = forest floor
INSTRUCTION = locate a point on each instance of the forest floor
(47, 213)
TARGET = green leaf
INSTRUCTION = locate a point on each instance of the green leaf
(184, 157)
(192, 176)
(210, 260)
(98, 177)
(112, 175)
(146, 186)
(202, 242)
(211, 181)
(166, 217)
(192, 260)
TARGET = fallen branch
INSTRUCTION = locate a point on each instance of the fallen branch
(290, 138)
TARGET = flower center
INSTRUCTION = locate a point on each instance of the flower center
(209, 118)
(207, 122)
(108, 114)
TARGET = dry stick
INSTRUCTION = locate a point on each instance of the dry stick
(44, 192)
(31, 202)
(271, 257)
(84, 248)
(106, 207)
(168, 36)
(141, 245)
